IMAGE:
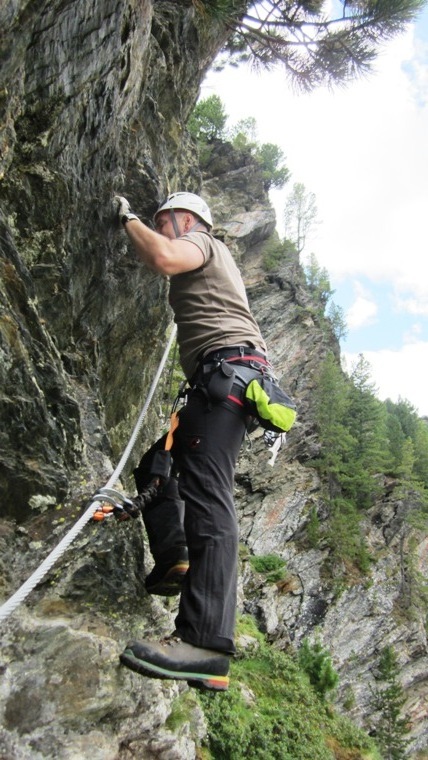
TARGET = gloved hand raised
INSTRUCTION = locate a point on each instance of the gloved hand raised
(122, 209)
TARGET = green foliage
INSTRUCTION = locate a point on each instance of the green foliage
(276, 253)
(318, 281)
(316, 663)
(331, 413)
(405, 468)
(348, 735)
(345, 537)
(316, 42)
(207, 124)
(181, 711)
(318, 284)
(395, 438)
(271, 159)
(404, 425)
(420, 443)
(406, 414)
(336, 317)
(208, 119)
(388, 699)
(270, 565)
(244, 134)
(414, 586)
(272, 712)
(361, 438)
(367, 426)
(342, 474)
(313, 529)
(349, 700)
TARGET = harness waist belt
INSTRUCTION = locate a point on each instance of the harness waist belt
(235, 352)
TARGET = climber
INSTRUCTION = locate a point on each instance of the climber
(192, 522)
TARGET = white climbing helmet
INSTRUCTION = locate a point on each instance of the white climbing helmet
(187, 202)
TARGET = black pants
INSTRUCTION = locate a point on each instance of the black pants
(206, 447)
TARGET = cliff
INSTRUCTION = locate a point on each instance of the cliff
(94, 101)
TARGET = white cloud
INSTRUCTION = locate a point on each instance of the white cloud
(361, 314)
(413, 335)
(370, 177)
(399, 373)
(363, 152)
(363, 311)
(413, 305)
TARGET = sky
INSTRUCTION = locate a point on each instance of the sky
(363, 151)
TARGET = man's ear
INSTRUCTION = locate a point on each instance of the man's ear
(188, 222)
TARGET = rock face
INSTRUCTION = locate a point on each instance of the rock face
(92, 104)
(94, 100)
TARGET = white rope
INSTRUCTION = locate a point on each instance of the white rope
(63, 545)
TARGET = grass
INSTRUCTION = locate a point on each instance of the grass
(271, 711)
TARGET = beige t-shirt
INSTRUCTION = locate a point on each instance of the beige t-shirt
(210, 305)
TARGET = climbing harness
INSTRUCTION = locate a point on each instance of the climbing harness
(10, 605)
(245, 377)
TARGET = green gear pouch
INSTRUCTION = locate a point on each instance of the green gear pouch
(273, 408)
(220, 383)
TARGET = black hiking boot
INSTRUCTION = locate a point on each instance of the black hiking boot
(166, 578)
(173, 658)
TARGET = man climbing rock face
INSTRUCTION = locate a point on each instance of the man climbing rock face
(191, 524)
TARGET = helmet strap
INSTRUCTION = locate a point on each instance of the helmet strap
(174, 223)
(197, 224)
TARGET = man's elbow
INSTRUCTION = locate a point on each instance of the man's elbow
(164, 265)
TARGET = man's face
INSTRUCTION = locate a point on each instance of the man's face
(164, 224)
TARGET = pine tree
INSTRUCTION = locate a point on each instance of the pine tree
(318, 281)
(367, 425)
(271, 159)
(343, 532)
(404, 424)
(345, 537)
(388, 699)
(336, 316)
(395, 437)
(406, 414)
(316, 662)
(421, 452)
(208, 119)
(405, 469)
(331, 409)
(316, 42)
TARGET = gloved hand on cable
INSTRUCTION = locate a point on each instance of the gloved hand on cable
(122, 209)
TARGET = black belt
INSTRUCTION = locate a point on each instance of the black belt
(234, 352)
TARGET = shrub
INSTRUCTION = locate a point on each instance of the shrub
(316, 663)
(270, 565)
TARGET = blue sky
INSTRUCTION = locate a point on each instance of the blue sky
(374, 317)
(363, 151)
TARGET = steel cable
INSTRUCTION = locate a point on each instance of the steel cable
(10, 605)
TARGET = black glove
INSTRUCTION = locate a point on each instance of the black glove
(122, 209)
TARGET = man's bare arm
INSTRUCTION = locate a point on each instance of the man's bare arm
(168, 257)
